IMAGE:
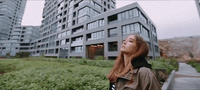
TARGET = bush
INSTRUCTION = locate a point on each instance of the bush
(162, 65)
(195, 64)
(171, 61)
(55, 75)
(22, 54)
(99, 58)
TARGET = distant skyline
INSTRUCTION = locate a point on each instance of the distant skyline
(172, 18)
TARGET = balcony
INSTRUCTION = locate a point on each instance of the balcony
(77, 43)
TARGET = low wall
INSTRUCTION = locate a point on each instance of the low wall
(168, 85)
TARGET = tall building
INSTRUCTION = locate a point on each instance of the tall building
(198, 6)
(20, 40)
(11, 13)
(91, 28)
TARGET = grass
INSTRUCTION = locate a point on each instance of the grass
(54, 75)
(61, 74)
(195, 64)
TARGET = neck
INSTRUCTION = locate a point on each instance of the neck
(126, 57)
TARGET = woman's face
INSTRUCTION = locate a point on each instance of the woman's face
(129, 45)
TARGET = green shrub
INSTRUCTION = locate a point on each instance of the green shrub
(162, 65)
(195, 64)
(22, 54)
(55, 75)
(62, 74)
(198, 68)
(99, 58)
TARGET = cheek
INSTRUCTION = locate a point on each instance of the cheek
(131, 47)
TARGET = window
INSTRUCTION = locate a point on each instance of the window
(149, 46)
(84, 11)
(65, 12)
(112, 46)
(74, 14)
(155, 38)
(143, 17)
(64, 19)
(95, 24)
(77, 49)
(63, 34)
(145, 32)
(135, 12)
(77, 30)
(112, 19)
(156, 48)
(63, 26)
(82, 19)
(112, 32)
(62, 42)
(59, 35)
(130, 28)
(95, 35)
(68, 32)
(137, 27)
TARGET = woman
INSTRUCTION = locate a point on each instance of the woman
(131, 70)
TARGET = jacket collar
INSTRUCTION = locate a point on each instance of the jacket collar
(140, 62)
(128, 76)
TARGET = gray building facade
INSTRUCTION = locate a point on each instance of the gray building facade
(91, 28)
(20, 39)
(11, 13)
(198, 6)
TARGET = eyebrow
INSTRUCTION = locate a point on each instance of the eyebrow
(132, 38)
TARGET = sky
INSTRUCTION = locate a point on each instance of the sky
(173, 18)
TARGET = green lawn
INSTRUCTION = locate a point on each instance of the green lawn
(54, 75)
(59, 74)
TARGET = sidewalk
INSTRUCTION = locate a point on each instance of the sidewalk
(186, 78)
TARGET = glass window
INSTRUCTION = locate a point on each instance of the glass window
(123, 16)
(68, 33)
(112, 46)
(112, 32)
(94, 35)
(156, 48)
(137, 27)
(59, 35)
(149, 46)
(63, 34)
(127, 29)
(132, 28)
(63, 42)
(126, 15)
(135, 12)
(123, 30)
(130, 13)
(102, 34)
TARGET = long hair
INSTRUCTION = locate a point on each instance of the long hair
(119, 69)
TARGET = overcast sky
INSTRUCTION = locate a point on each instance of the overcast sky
(173, 18)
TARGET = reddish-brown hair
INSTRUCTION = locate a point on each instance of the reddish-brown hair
(119, 69)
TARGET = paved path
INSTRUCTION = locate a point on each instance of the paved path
(186, 78)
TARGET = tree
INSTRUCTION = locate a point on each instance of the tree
(7, 54)
(191, 55)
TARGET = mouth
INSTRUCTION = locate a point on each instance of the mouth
(122, 47)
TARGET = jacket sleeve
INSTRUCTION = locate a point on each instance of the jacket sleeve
(148, 81)
(112, 86)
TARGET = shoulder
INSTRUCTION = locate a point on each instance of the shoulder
(143, 71)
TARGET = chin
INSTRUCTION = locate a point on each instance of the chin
(122, 50)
